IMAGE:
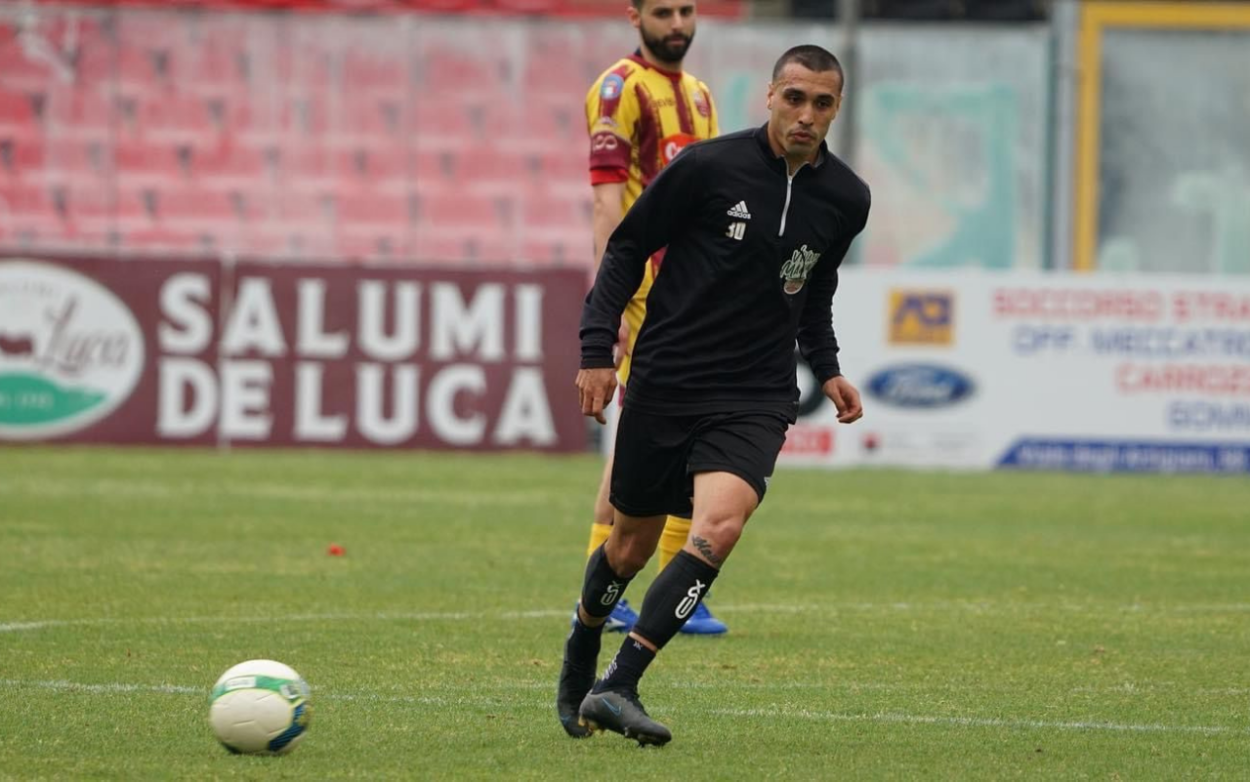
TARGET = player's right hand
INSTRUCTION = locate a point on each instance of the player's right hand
(595, 389)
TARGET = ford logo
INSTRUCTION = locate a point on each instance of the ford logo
(920, 385)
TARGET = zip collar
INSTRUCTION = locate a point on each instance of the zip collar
(778, 162)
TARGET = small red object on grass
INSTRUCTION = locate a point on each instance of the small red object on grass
(336, 550)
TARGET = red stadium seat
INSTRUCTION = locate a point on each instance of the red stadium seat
(437, 119)
(359, 244)
(276, 135)
(196, 207)
(555, 120)
(21, 154)
(376, 71)
(84, 108)
(159, 237)
(371, 114)
(444, 69)
(25, 199)
(228, 162)
(372, 209)
(137, 156)
(568, 166)
(18, 109)
(464, 246)
(528, 6)
(446, 6)
(451, 208)
(431, 165)
(487, 168)
(556, 249)
(540, 210)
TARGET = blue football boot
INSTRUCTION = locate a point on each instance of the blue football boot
(701, 622)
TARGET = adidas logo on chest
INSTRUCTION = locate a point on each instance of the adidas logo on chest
(739, 211)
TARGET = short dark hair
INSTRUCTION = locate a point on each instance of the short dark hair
(811, 57)
(638, 4)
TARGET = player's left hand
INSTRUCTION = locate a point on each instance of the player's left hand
(595, 390)
(845, 397)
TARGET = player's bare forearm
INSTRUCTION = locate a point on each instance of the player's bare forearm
(607, 215)
(845, 398)
(595, 389)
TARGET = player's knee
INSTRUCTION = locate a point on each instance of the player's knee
(721, 530)
(634, 559)
(604, 513)
(628, 554)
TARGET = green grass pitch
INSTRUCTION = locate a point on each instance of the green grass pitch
(884, 624)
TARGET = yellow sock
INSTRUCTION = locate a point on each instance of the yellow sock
(598, 535)
(676, 530)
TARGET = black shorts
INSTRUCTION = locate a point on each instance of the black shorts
(657, 456)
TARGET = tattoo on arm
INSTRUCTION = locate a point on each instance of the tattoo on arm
(705, 549)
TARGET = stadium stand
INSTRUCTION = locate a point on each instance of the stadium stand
(930, 10)
(166, 131)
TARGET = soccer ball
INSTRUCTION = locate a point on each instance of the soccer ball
(260, 707)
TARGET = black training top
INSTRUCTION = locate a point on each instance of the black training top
(751, 266)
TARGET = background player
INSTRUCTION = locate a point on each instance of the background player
(641, 112)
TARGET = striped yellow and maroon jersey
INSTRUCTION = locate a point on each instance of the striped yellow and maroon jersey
(640, 117)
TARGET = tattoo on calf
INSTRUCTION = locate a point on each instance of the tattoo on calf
(705, 548)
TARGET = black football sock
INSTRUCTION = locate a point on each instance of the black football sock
(626, 668)
(673, 596)
(603, 587)
(583, 643)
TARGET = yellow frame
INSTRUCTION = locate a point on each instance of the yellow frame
(1096, 17)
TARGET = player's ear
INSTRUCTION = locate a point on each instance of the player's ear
(770, 96)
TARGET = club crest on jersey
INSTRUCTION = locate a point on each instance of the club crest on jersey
(700, 104)
(612, 86)
(795, 270)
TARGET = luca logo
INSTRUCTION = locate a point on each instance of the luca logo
(70, 351)
(795, 270)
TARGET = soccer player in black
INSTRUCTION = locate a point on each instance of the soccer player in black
(756, 224)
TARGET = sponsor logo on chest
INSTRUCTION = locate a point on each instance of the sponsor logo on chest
(671, 145)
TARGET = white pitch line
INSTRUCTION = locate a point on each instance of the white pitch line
(983, 722)
(822, 609)
(176, 689)
(767, 714)
(129, 488)
(61, 684)
(415, 616)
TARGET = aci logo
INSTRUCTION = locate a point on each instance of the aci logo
(70, 351)
(921, 317)
(920, 385)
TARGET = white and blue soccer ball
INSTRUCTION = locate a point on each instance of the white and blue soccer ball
(260, 707)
